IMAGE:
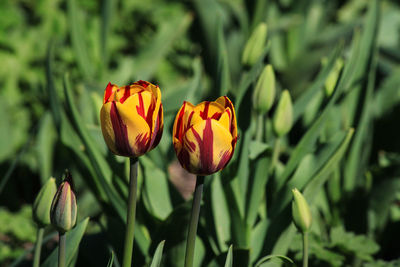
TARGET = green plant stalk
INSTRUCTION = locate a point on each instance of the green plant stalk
(130, 224)
(38, 247)
(194, 220)
(305, 249)
(61, 249)
(260, 127)
(275, 154)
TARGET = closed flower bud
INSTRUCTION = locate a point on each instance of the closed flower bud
(283, 117)
(333, 76)
(264, 92)
(132, 118)
(63, 208)
(301, 212)
(205, 135)
(255, 45)
(42, 204)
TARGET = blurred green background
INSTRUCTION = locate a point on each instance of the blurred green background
(58, 56)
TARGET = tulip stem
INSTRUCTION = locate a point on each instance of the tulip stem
(305, 249)
(61, 249)
(38, 247)
(275, 154)
(260, 127)
(130, 227)
(194, 219)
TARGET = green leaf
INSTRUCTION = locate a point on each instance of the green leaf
(111, 260)
(78, 37)
(156, 195)
(156, 262)
(283, 258)
(224, 74)
(150, 57)
(359, 151)
(73, 239)
(229, 258)
(322, 175)
(301, 103)
(256, 189)
(220, 210)
(256, 148)
(46, 139)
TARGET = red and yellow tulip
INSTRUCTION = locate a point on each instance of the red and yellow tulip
(205, 135)
(132, 118)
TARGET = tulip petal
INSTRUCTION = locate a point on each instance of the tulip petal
(133, 116)
(107, 127)
(207, 147)
(181, 117)
(224, 101)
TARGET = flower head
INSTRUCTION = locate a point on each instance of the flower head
(132, 118)
(205, 135)
(63, 208)
(42, 204)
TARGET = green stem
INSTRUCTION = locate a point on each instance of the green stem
(305, 249)
(61, 250)
(260, 127)
(194, 219)
(130, 227)
(275, 154)
(38, 247)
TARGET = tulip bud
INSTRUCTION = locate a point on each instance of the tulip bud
(41, 205)
(333, 76)
(205, 135)
(301, 212)
(255, 45)
(63, 209)
(283, 117)
(264, 92)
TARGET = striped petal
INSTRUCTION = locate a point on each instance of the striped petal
(207, 148)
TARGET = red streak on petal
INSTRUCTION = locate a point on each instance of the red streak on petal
(142, 142)
(108, 92)
(156, 134)
(216, 115)
(206, 148)
(204, 113)
(224, 159)
(184, 158)
(178, 133)
(120, 132)
(189, 121)
(140, 108)
(142, 83)
(127, 93)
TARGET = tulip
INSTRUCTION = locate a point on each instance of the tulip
(283, 117)
(132, 118)
(255, 45)
(264, 92)
(63, 208)
(41, 214)
(42, 204)
(302, 219)
(205, 135)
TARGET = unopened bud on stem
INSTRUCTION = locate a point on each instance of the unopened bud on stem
(63, 209)
(301, 212)
(41, 206)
